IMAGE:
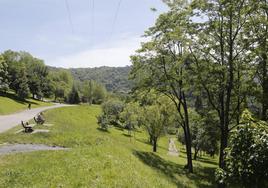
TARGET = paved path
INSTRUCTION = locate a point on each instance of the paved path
(12, 120)
(17, 148)
(172, 150)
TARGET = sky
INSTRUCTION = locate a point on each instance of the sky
(77, 33)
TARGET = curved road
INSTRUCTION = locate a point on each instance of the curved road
(12, 120)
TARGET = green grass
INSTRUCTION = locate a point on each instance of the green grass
(97, 158)
(10, 103)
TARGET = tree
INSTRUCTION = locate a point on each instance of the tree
(110, 114)
(93, 92)
(259, 25)
(198, 132)
(205, 138)
(47, 87)
(162, 64)
(4, 84)
(37, 74)
(62, 83)
(73, 97)
(130, 116)
(247, 154)
(23, 89)
(103, 121)
(154, 119)
(12, 60)
(59, 93)
(35, 70)
(99, 93)
(89, 92)
(219, 48)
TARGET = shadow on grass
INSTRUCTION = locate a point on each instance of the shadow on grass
(16, 98)
(103, 130)
(201, 159)
(145, 141)
(174, 171)
(127, 135)
(204, 160)
(119, 128)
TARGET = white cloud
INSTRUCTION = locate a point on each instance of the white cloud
(112, 54)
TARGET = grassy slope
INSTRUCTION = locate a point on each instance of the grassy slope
(11, 104)
(97, 158)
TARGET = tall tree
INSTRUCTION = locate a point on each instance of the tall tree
(162, 64)
(220, 51)
(4, 83)
(73, 97)
(23, 88)
(14, 66)
(259, 25)
(62, 83)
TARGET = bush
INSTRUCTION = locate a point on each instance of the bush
(247, 154)
(103, 121)
(110, 115)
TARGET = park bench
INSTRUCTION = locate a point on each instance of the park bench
(27, 128)
(39, 120)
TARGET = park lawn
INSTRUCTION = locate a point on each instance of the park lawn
(10, 103)
(96, 158)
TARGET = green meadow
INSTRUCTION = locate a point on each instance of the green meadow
(96, 158)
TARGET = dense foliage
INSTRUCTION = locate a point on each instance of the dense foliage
(25, 74)
(114, 79)
(130, 116)
(247, 154)
(110, 115)
(207, 50)
(4, 83)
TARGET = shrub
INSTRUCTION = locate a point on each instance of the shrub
(247, 154)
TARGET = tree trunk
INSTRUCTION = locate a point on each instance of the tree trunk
(224, 140)
(264, 88)
(154, 144)
(189, 165)
(151, 140)
(196, 150)
(223, 145)
(188, 139)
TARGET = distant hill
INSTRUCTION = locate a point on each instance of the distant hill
(113, 78)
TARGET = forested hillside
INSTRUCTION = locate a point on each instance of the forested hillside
(113, 78)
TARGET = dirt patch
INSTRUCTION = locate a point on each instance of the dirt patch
(18, 148)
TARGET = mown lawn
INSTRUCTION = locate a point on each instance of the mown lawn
(10, 103)
(96, 158)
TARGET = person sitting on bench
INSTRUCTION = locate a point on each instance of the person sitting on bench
(40, 119)
(26, 127)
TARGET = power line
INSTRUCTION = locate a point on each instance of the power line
(115, 18)
(69, 15)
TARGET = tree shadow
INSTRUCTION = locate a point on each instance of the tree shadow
(16, 98)
(201, 159)
(204, 160)
(145, 141)
(127, 135)
(173, 170)
(103, 130)
(119, 128)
